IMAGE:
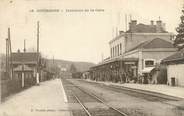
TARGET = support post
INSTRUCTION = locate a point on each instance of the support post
(23, 79)
(37, 74)
(0, 79)
(10, 54)
(23, 75)
(121, 72)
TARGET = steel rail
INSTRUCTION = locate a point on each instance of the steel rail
(85, 109)
(94, 96)
(97, 98)
(149, 93)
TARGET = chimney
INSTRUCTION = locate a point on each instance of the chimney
(159, 22)
(134, 22)
(132, 25)
(18, 51)
(120, 32)
(163, 26)
(159, 27)
(152, 22)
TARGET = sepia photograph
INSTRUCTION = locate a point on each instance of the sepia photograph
(91, 57)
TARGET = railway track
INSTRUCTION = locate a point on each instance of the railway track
(83, 106)
(150, 96)
(139, 93)
(116, 112)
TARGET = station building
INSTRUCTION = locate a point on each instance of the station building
(175, 68)
(135, 52)
(25, 66)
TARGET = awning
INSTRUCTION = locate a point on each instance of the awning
(130, 59)
(22, 68)
(147, 70)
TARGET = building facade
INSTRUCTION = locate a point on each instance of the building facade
(25, 67)
(137, 34)
(136, 51)
(175, 68)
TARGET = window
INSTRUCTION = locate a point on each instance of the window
(120, 48)
(149, 63)
(113, 52)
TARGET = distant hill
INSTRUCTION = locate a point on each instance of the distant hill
(81, 66)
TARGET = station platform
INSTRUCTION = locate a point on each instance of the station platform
(47, 99)
(174, 91)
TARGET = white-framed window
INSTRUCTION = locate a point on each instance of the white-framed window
(149, 62)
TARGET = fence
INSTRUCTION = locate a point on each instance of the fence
(11, 86)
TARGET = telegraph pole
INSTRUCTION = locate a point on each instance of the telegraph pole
(53, 59)
(6, 56)
(10, 52)
(38, 33)
(24, 45)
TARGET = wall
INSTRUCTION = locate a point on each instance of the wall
(136, 54)
(130, 40)
(149, 54)
(115, 43)
(177, 71)
(132, 54)
(135, 39)
(157, 55)
(9, 87)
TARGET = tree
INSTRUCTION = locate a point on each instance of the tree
(179, 39)
(73, 69)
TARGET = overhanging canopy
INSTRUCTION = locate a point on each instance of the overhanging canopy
(147, 69)
(21, 68)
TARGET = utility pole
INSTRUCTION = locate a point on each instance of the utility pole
(10, 52)
(0, 78)
(6, 56)
(53, 59)
(38, 34)
(130, 28)
(23, 72)
(37, 74)
(24, 45)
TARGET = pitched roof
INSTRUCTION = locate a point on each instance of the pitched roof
(142, 28)
(178, 56)
(154, 43)
(24, 57)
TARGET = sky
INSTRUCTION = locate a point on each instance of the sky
(78, 30)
